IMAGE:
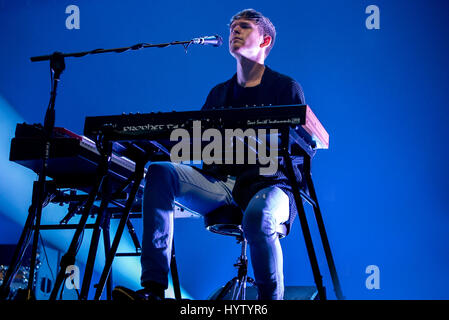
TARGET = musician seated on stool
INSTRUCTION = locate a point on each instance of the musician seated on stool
(265, 200)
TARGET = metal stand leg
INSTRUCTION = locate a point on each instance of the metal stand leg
(237, 285)
(21, 246)
(298, 193)
(95, 239)
(304, 225)
(322, 230)
(110, 258)
(42, 192)
(69, 258)
(107, 249)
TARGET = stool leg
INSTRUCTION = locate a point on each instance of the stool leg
(227, 288)
(237, 286)
(244, 288)
(240, 283)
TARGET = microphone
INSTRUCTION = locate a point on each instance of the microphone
(215, 40)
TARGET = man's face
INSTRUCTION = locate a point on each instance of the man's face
(245, 39)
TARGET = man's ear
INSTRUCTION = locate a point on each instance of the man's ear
(266, 41)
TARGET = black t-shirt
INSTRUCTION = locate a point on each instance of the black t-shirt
(275, 89)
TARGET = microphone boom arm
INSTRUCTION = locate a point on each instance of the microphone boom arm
(138, 46)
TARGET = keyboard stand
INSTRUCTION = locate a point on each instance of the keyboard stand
(140, 155)
(100, 181)
(293, 144)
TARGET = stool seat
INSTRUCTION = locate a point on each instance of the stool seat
(227, 220)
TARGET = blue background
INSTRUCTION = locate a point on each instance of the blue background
(381, 95)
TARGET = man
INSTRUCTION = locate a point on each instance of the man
(267, 201)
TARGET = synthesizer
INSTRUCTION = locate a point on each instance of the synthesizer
(74, 160)
(159, 125)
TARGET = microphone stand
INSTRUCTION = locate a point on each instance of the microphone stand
(40, 194)
(57, 66)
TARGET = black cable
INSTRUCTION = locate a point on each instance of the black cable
(62, 287)
(51, 86)
(46, 258)
(76, 290)
(66, 275)
(187, 46)
(80, 241)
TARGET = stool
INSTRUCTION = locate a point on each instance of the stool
(227, 220)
